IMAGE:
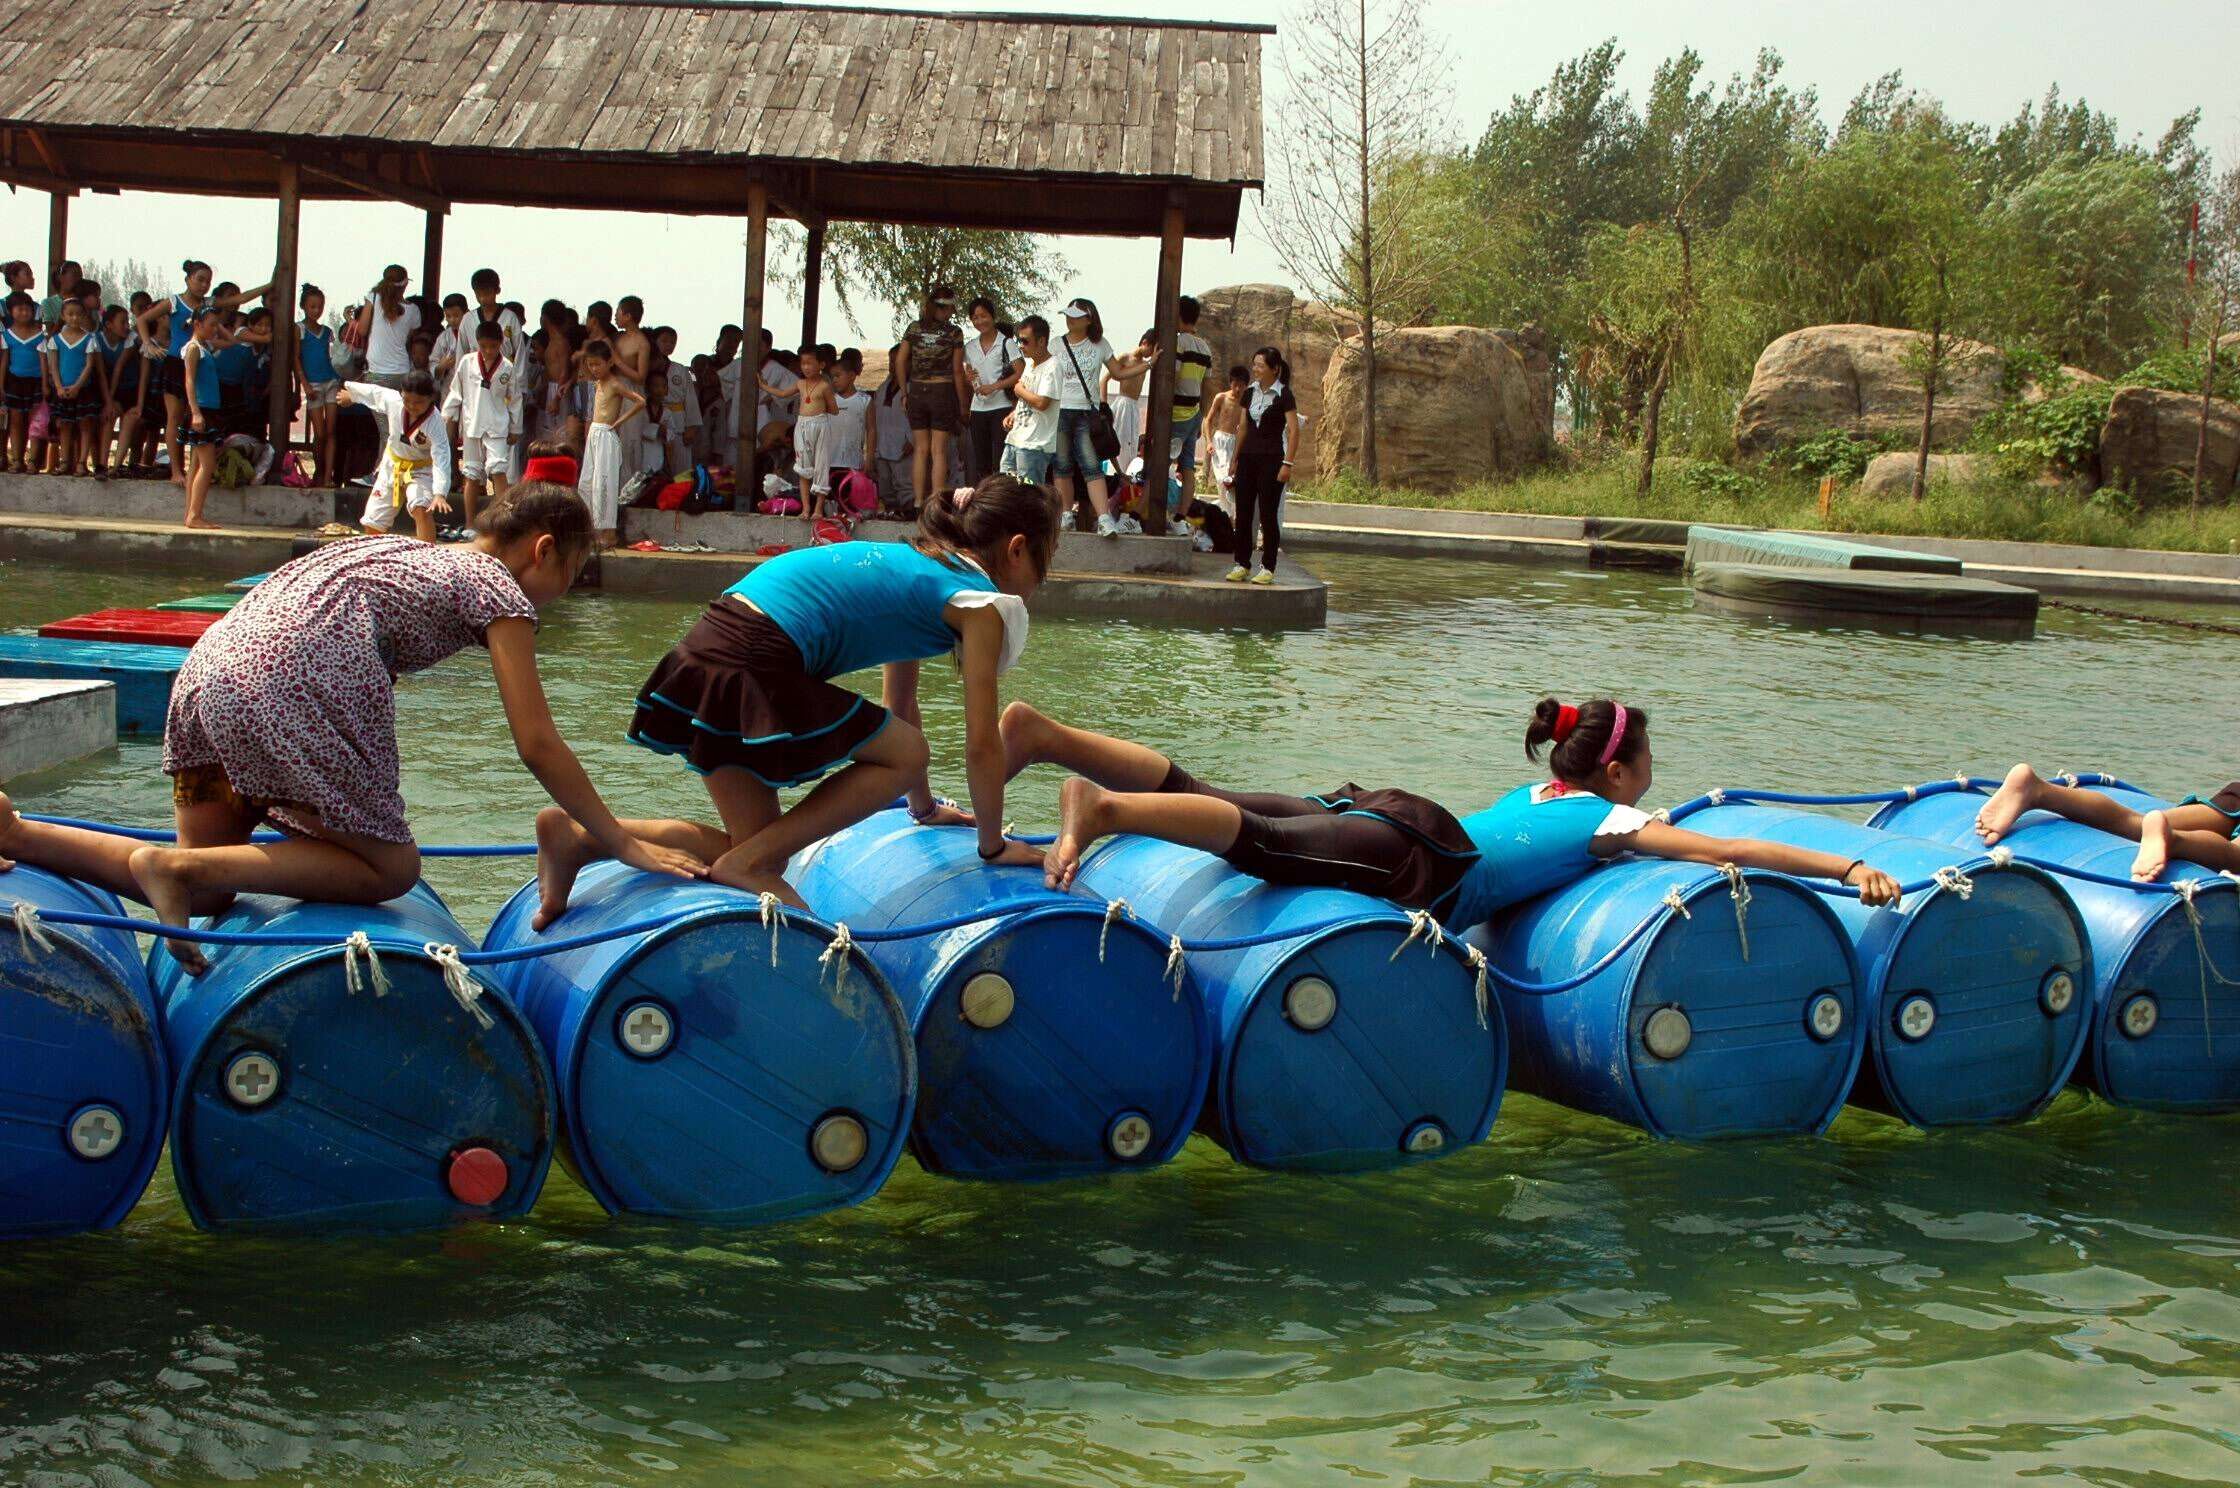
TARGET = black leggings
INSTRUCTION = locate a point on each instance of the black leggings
(1258, 489)
(984, 446)
(1294, 841)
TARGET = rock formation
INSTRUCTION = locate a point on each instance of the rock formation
(1454, 406)
(1856, 378)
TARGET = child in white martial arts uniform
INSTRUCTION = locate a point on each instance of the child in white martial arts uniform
(415, 470)
(613, 404)
(484, 412)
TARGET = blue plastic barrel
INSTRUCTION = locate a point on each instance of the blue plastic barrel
(2165, 1028)
(1331, 1053)
(300, 1104)
(711, 1069)
(1038, 1056)
(83, 1088)
(142, 674)
(1982, 999)
(1686, 1033)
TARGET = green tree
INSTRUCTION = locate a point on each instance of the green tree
(2090, 258)
(881, 268)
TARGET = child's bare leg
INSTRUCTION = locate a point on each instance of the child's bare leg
(565, 849)
(99, 858)
(882, 770)
(174, 417)
(343, 869)
(2024, 791)
(1031, 738)
(1087, 812)
(424, 523)
(498, 482)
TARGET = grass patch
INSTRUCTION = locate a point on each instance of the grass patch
(1708, 492)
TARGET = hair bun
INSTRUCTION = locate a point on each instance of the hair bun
(1565, 723)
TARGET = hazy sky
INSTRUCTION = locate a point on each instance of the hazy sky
(2145, 62)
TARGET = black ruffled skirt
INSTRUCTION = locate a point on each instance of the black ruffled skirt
(735, 694)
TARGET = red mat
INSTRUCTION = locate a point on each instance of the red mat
(137, 627)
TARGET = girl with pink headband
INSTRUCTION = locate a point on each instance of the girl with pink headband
(1397, 845)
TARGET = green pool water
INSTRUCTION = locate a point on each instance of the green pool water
(1568, 1303)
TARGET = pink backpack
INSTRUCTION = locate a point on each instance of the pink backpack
(857, 494)
(292, 472)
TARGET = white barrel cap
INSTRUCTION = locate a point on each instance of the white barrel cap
(1668, 1033)
(987, 1001)
(646, 1029)
(252, 1078)
(838, 1142)
(1916, 1016)
(1310, 1003)
(2139, 1016)
(1824, 1017)
(1129, 1136)
(96, 1131)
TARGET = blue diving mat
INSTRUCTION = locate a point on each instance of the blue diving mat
(143, 674)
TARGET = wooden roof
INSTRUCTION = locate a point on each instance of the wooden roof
(1051, 123)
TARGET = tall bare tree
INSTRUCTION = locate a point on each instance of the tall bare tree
(2220, 286)
(1366, 102)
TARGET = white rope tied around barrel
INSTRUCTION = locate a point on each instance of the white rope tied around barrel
(361, 944)
(771, 905)
(1964, 780)
(1178, 961)
(837, 954)
(1738, 890)
(2068, 778)
(2002, 857)
(2206, 965)
(463, 987)
(1950, 878)
(1675, 900)
(1116, 910)
(1484, 995)
(1420, 925)
(1913, 793)
(1717, 796)
(29, 935)
(1663, 814)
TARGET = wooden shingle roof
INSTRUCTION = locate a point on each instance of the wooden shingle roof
(1058, 123)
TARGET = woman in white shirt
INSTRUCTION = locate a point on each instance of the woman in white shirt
(1084, 359)
(389, 324)
(991, 360)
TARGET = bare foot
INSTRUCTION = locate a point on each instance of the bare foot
(161, 873)
(1081, 814)
(2015, 795)
(11, 826)
(2154, 847)
(750, 879)
(202, 524)
(563, 850)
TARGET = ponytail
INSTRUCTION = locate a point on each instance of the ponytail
(535, 508)
(980, 520)
(1581, 736)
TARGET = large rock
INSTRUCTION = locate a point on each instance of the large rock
(2147, 445)
(1454, 406)
(1892, 474)
(1536, 350)
(1855, 378)
(1239, 319)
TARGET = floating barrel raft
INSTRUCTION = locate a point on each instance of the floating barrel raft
(208, 604)
(1910, 603)
(1050, 1041)
(133, 627)
(1695, 1015)
(2165, 1023)
(713, 1068)
(1340, 1045)
(84, 1090)
(248, 582)
(308, 1097)
(1759, 548)
(1980, 985)
(143, 674)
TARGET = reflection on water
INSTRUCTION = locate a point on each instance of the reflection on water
(1569, 1301)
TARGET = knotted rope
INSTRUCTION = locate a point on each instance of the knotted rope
(1177, 961)
(1952, 879)
(2206, 966)
(28, 934)
(1477, 960)
(2002, 856)
(361, 944)
(1420, 924)
(1738, 890)
(837, 954)
(460, 981)
(772, 917)
(1675, 900)
(1117, 909)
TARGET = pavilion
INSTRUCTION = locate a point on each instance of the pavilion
(1032, 123)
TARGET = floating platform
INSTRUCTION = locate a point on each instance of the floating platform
(1910, 603)
(1763, 549)
(208, 604)
(84, 1089)
(1050, 1041)
(301, 1102)
(1340, 1046)
(2165, 1023)
(718, 1068)
(248, 581)
(1981, 996)
(1692, 1032)
(44, 723)
(142, 674)
(133, 627)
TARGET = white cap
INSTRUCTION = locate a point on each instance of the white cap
(1078, 310)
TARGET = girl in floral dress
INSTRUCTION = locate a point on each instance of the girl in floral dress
(285, 712)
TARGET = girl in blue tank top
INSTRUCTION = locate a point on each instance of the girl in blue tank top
(22, 375)
(747, 700)
(1397, 845)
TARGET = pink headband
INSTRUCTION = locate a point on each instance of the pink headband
(1617, 737)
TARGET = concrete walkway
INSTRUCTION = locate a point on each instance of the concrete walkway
(2053, 568)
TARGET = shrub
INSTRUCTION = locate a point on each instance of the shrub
(2061, 434)
(1836, 452)
(2176, 370)
(1712, 481)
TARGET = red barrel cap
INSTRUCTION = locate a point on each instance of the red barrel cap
(475, 1175)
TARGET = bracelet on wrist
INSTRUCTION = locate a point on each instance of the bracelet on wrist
(989, 857)
(1850, 868)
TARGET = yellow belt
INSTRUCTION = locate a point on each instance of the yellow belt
(403, 470)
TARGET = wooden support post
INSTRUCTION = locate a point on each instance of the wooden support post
(58, 232)
(1159, 424)
(750, 332)
(812, 282)
(431, 259)
(282, 301)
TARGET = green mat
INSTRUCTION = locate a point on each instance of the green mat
(1800, 550)
(207, 603)
(1905, 601)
